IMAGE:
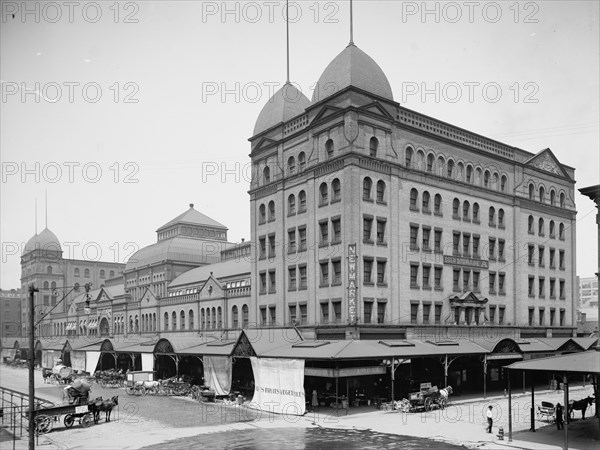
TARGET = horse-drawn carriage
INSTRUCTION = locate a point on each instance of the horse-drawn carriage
(59, 374)
(141, 382)
(429, 397)
(111, 378)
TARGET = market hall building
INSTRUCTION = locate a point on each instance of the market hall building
(387, 248)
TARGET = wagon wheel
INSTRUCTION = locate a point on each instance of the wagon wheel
(443, 402)
(43, 424)
(428, 404)
(143, 390)
(69, 420)
(86, 420)
(130, 390)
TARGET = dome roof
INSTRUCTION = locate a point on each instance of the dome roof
(352, 67)
(286, 103)
(46, 240)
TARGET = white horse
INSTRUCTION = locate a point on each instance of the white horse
(153, 386)
(444, 394)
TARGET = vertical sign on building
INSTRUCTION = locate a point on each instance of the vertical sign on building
(352, 284)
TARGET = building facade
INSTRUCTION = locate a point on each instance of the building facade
(11, 302)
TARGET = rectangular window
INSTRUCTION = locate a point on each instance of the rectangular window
(381, 312)
(501, 315)
(263, 247)
(541, 317)
(271, 246)
(531, 286)
(501, 278)
(541, 287)
(438, 314)
(466, 244)
(426, 276)
(552, 317)
(437, 237)
(561, 289)
(337, 230)
(367, 229)
(531, 255)
(541, 256)
(501, 256)
(492, 249)
(291, 241)
(492, 282)
(426, 235)
(302, 270)
(456, 243)
(324, 273)
(426, 312)
(552, 258)
(455, 280)
(292, 278)
(325, 312)
(562, 318)
(272, 281)
(466, 279)
(476, 246)
(337, 272)
(381, 231)
(561, 259)
(367, 311)
(414, 273)
(263, 282)
(323, 233)
(438, 277)
(457, 316)
(552, 288)
(302, 238)
(367, 270)
(303, 314)
(292, 309)
(492, 314)
(381, 280)
(531, 317)
(272, 315)
(414, 235)
(337, 311)
(475, 281)
(263, 315)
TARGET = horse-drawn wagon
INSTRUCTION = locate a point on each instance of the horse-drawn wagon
(429, 397)
(141, 382)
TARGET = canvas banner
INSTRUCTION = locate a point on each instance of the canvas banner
(91, 361)
(148, 361)
(217, 373)
(78, 360)
(279, 385)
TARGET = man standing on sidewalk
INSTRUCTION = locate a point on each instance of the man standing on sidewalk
(490, 419)
(559, 417)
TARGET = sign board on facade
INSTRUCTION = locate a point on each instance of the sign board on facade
(352, 284)
(504, 356)
(460, 261)
(345, 372)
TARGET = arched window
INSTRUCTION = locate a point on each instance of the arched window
(46, 285)
(219, 317)
(381, 191)
(234, 317)
(440, 166)
(336, 190)
(503, 181)
(426, 200)
(291, 205)
(329, 148)
(437, 204)
(302, 201)
(542, 194)
(266, 175)
(501, 218)
(408, 156)
(455, 208)
(130, 324)
(486, 179)
(182, 320)
(367, 186)
(476, 212)
(291, 165)
(86, 273)
(191, 319)
(541, 227)
(561, 231)
(552, 197)
(466, 210)
(430, 163)
(469, 174)
(373, 146)
(154, 322)
(76, 287)
(450, 168)
(531, 191)
(137, 324)
(492, 216)
(174, 319)
(262, 213)
(76, 271)
(414, 197)
(111, 274)
(530, 224)
(49, 270)
(245, 316)
(271, 210)
(323, 195)
(478, 176)
(562, 199)
(102, 274)
(552, 229)
(496, 182)
(301, 161)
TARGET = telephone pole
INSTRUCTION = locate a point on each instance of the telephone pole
(32, 291)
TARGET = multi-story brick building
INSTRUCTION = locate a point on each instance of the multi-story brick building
(10, 313)
(449, 227)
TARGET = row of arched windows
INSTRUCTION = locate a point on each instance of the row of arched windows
(298, 207)
(86, 272)
(336, 192)
(235, 319)
(211, 318)
(426, 202)
(541, 228)
(262, 212)
(293, 167)
(368, 190)
(495, 218)
(456, 171)
(541, 195)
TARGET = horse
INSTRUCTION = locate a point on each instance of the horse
(444, 394)
(95, 407)
(153, 386)
(580, 405)
(48, 375)
(107, 407)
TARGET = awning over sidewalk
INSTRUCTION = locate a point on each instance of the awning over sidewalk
(582, 362)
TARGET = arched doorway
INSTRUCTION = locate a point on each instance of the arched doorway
(191, 366)
(107, 356)
(165, 360)
(104, 327)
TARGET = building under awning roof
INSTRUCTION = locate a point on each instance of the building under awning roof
(582, 362)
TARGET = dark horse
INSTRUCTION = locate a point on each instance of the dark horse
(99, 405)
(580, 405)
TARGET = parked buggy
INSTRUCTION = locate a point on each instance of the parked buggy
(429, 397)
(141, 382)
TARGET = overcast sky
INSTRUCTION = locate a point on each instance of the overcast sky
(144, 107)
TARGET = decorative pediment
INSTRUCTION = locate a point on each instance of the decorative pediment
(570, 346)
(326, 111)
(264, 143)
(467, 299)
(546, 161)
(148, 298)
(377, 109)
(243, 347)
(211, 289)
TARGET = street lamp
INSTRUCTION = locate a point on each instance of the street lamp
(393, 365)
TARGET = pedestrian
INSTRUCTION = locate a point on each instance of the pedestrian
(315, 400)
(559, 417)
(490, 419)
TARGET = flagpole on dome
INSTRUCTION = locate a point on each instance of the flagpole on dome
(351, 26)
(287, 30)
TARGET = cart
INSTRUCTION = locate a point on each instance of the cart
(76, 409)
(135, 384)
(427, 398)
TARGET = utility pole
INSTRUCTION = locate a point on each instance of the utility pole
(32, 291)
